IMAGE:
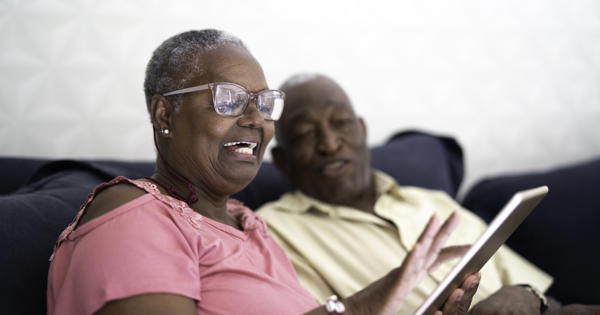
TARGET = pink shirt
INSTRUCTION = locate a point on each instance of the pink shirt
(156, 243)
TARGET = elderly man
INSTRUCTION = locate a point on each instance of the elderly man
(347, 224)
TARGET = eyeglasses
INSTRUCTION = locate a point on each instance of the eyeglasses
(230, 99)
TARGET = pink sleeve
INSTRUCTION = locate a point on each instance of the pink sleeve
(137, 251)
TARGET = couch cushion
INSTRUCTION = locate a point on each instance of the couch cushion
(421, 159)
(30, 221)
(32, 218)
(16, 172)
(562, 234)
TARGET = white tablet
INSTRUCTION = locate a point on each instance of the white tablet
(503, 225)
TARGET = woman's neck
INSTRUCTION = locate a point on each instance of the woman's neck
(206, 203)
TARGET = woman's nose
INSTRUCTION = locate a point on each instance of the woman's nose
(251, 117)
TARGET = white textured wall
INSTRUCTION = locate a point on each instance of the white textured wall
(516, 82)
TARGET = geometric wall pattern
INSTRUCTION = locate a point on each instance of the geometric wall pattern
(516, 82)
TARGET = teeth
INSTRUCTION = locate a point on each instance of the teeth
(335, 164)
(251, 145)
(243, 151)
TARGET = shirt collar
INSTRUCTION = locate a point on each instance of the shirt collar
(407, 216)
(410, 216)
(299, 202)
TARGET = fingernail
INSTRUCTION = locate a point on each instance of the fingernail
(433, 218)
(459, 297)
(474, 284)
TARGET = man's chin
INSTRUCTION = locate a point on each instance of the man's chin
(340, 194)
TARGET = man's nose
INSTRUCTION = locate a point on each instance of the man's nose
(329, 141)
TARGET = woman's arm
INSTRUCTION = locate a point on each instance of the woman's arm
(386, 295)
(150, 304)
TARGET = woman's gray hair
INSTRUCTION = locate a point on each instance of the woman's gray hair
(174, 63)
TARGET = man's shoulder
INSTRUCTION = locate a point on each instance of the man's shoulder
(422, 194)
(288, 202)
(439, 200)
(290, 208)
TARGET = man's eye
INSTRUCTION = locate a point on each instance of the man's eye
(303, 134)
(340, 123)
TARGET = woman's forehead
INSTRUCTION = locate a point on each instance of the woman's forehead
(233, 64)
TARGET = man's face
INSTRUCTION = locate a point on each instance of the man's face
(323, 143)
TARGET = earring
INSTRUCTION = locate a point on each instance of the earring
(164, 131)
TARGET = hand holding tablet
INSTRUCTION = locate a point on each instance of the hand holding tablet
(509, 218)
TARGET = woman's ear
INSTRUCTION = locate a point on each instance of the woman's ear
(161, 112)
(280, 160)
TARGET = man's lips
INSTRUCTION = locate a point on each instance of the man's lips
(334, 167)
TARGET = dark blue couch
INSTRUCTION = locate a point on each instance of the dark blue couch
(38, 198)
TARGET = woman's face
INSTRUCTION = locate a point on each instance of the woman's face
(220, 154)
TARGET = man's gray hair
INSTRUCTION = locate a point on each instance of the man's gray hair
(299, 79)
(174, 63)
(291, 83)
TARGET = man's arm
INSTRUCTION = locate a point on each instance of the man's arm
(575, 309)
(509, 300)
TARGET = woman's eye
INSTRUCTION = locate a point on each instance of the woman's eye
(226, 108)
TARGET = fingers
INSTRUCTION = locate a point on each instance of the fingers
(471, 283)
(449, 253)
(470, 286)
(418, 255)
(425, 252)
(455, 303)
(460, 300)
(440, 238)
(431, 230)
(413, 269)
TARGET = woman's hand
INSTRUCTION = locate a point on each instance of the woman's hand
(386, 295)
(422, 259)
(460, 299)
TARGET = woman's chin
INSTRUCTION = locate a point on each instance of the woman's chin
(240, 179)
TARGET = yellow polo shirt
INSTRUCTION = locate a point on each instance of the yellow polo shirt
(340, 250)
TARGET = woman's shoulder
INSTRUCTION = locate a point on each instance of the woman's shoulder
(109, 197)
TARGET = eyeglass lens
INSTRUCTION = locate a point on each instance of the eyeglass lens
(232, 100)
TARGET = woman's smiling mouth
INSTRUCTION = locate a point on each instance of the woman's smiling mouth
(242, 147)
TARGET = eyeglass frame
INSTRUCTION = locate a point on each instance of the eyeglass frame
(212, 86)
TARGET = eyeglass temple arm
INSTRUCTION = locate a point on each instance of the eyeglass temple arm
(189, 90)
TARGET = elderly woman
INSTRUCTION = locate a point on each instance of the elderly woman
(174, 243)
